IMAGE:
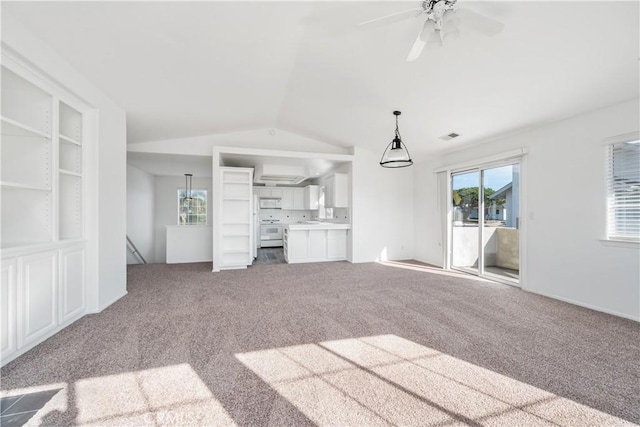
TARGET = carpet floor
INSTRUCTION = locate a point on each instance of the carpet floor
(333, 344)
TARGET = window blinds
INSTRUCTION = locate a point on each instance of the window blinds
(623, 187)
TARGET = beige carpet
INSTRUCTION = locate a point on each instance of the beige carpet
(333, 344)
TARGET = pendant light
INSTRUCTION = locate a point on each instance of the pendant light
(396, 155)
(187, 187)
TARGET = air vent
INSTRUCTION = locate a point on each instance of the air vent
(450, 136)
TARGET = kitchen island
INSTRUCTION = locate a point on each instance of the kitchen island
(314, 241)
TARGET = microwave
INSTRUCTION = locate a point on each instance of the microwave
(270, 203)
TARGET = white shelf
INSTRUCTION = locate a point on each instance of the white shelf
(235, 223)
(236, 251)
(64, 138)
(20, 186)
(70, 173)
(235, 235)
(233, 181)
(15, 128)
(238, 199)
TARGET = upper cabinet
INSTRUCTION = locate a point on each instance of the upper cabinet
(292, 197)
(337, 191)
(311, 194)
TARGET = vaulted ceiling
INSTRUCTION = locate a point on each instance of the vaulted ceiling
(182, 69)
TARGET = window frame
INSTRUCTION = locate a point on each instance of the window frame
(611, 239)
(206, 208)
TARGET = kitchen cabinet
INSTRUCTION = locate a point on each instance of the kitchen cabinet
(287, 198)
(311, 194)
(269, 192)
(336, 191)
(336, 244)
(298, 199)
(316, 243)
(292, 197)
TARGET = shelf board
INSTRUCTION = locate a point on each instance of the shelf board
(70, 173)
(231, 181)
(21, 186)
(235, 223)
(235, 251)
(237, 199)
(65, 138)
(15, 128)
(236, 235)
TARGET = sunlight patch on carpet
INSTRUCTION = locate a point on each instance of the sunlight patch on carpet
(170, 395)
(386, 379)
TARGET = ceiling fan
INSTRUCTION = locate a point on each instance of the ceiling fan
(443, 18)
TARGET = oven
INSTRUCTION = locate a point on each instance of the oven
(270, 235)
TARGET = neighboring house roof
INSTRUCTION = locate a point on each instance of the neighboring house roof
(501, 192)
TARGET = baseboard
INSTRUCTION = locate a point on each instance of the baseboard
(581, 304)
(110, 303)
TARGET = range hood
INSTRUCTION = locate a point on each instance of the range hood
(279, 174)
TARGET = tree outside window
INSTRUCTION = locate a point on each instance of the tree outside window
(193, 210)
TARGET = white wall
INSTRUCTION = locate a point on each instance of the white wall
(141, 213)
(166, 208)
(564, 196)
(382, 210)
(269, 139)
(106, 216)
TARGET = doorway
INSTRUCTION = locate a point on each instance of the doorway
(485, 222)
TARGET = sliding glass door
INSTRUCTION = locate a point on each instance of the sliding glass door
(485, 219)
(465, 230)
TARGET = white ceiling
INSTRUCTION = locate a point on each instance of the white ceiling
(194, 68)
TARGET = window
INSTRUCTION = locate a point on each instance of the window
(192, 211)
(623, 188)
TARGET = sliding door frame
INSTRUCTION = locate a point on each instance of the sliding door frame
(513, 157)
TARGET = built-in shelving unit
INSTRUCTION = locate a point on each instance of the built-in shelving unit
(26, 178)
(42, 187)
(236, 217)
(70, 173)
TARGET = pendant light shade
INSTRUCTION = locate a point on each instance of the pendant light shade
(187, 186)
(396, 155)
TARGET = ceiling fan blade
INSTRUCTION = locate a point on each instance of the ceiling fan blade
(480, 23)
(421, 40)
(394, 17)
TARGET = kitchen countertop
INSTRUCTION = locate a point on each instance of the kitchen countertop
(318, 226)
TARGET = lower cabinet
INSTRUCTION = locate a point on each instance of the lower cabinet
(315, 245)
(37, 296)
(71, 292)
(8, 303)
(337, 244)
(40, 294)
